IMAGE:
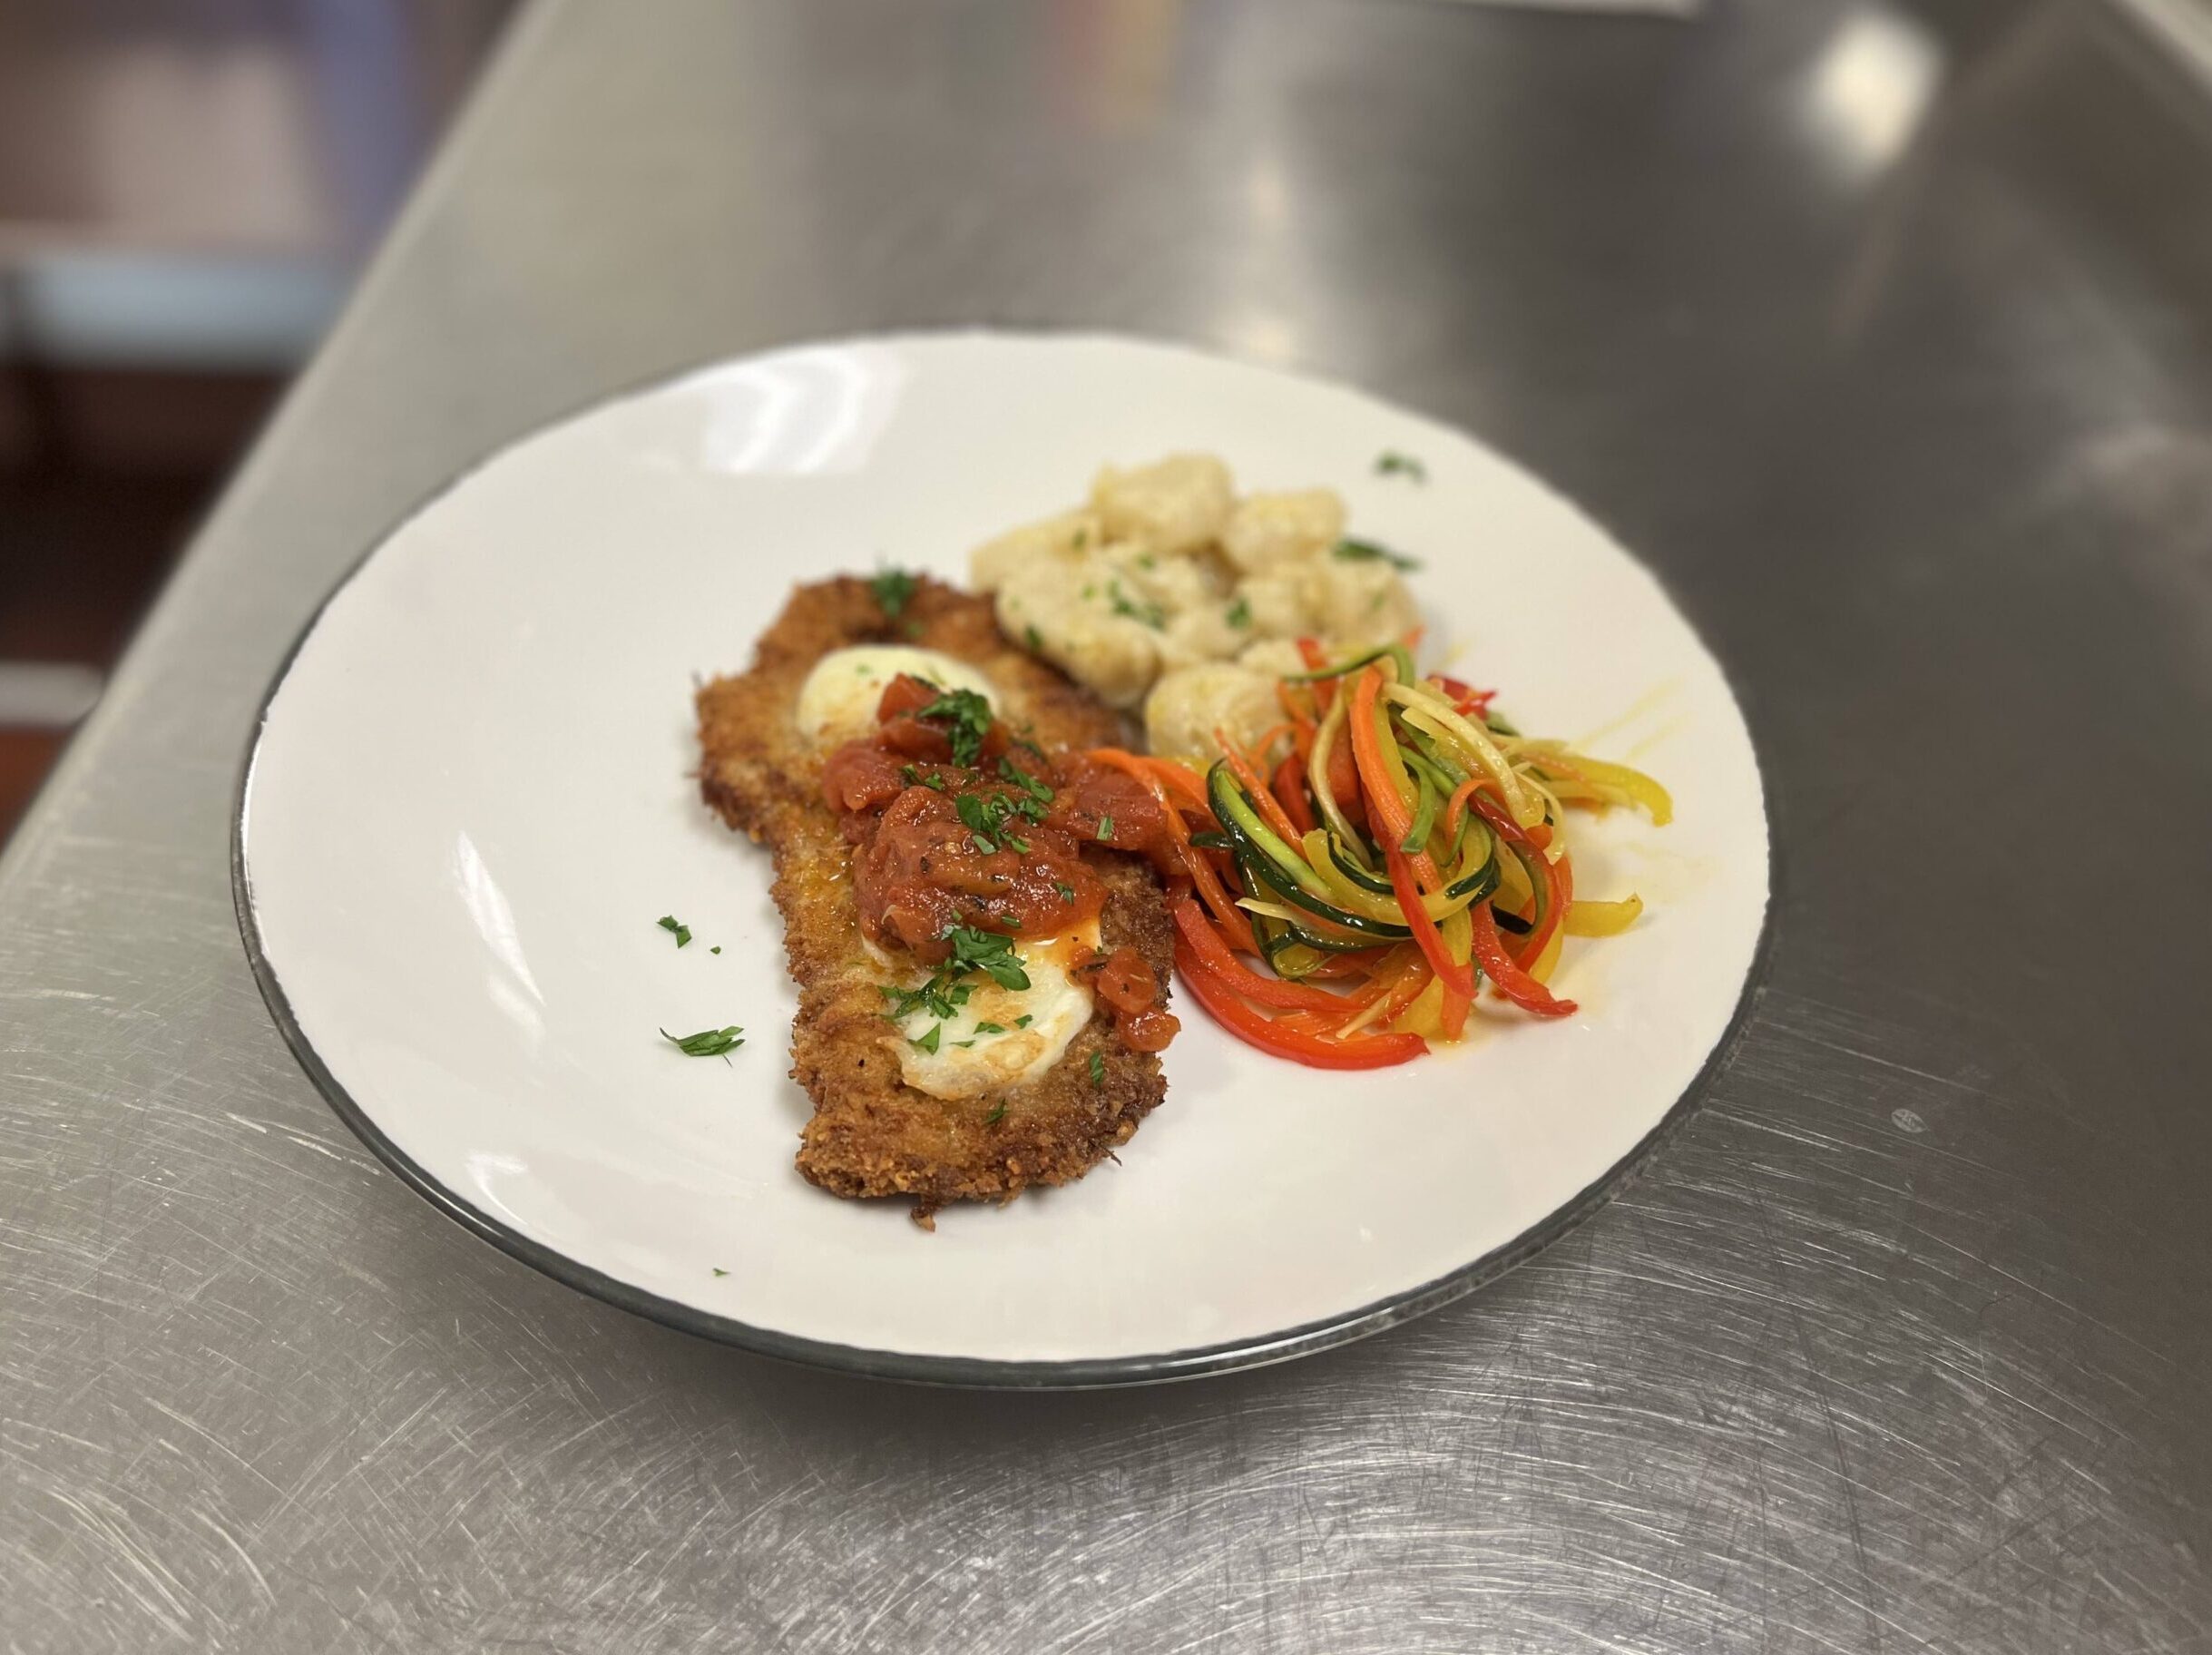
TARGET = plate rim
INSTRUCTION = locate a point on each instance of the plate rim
(986, 1373)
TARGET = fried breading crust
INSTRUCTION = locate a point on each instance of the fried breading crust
(872, 1134)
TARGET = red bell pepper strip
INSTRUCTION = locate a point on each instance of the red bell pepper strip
(1513, 983)
(1359, 1052)
(1210, 955)
(1456, 976)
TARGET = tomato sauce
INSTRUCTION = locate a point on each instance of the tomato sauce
(996, 844)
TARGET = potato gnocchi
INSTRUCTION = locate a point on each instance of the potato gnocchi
(1168, 591)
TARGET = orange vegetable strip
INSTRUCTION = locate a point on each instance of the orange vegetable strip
(1225, 909)
(1385, 801)
(1290, 793)
(1455, 805)
(1181, 781)
(1270, 809)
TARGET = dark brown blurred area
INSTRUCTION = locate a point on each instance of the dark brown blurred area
(187, 188)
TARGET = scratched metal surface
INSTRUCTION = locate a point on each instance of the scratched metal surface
(1885, 336)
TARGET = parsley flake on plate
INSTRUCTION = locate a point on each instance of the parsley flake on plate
(707, 1043)
(1349, 550)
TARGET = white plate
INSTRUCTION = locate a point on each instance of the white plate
(470, 800)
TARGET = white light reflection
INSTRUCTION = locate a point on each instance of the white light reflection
(798, 412)
(483, 1170)
(495, 919)
(1264, 336)
(1867, 90)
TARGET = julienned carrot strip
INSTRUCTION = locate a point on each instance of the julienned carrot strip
(1290, 793)
(1241, 769)
(1225, 912)
(1383, 799)
(1316, 658)
(1181, 781)
(1456, 804)
(1213, 955)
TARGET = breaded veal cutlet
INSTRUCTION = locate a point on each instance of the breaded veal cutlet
(872, 1134)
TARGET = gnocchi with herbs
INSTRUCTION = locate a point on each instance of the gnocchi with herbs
(1168, 591)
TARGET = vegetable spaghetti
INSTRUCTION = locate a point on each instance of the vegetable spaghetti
(1382, 851)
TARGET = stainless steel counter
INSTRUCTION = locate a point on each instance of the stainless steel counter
(1885, 336)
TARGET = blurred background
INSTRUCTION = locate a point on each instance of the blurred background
(187, 190)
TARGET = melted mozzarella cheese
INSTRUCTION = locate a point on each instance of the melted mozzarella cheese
(1056, 1003)
(838, 700)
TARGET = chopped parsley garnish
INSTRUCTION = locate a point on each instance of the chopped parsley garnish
(980, 819)
(1098, 1069)
(716, 949)
(944, 994)
(995, 1116)
(1067, 893)
(984, 815)
(940, 996)
(718, 1270)
(987, 951)
(1151, 614)
(1024, 1020)
(707, 1043)
(1037, 793)
(1240, 613)
(1105, 827)
(1033, 639)
(1367, 552)
(894, 590)
(1391, 463)
(675, 928)
(966, 717)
